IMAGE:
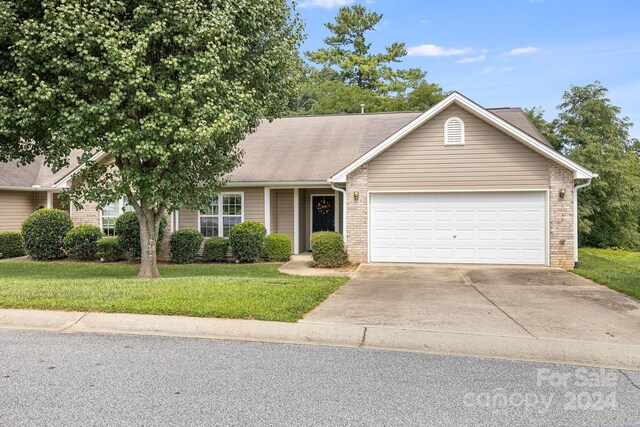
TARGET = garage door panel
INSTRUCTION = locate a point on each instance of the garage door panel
(459, 227)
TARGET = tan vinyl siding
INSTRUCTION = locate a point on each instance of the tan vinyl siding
(489, 159)
(15, 206)
(253, 207)
(304, 224)
(39, 199)
(57, 204)
(285, 212)
(273, 211)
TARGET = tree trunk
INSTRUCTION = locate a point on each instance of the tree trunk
(149, 227)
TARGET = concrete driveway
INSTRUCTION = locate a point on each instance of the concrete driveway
(536, 302)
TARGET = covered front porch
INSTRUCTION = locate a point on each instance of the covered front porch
(300, 211)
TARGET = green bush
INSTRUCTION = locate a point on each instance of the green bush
(247, 241)
(277, 247)
(11, 245)
(215, 249)
(81, 242)
(109, 249)
(327, 248)
(185, 245)
(43, 233)
(128, 231)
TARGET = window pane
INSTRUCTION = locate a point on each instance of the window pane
(108, 226)
(228, 222)
(209, 226)
(111, 209)
(232, 204)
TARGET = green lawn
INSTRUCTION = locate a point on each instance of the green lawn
(245, 291)
(617, 269)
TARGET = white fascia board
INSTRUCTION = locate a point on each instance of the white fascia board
(477, 110)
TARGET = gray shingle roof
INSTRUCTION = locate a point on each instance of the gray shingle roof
(518, 118)
(35, 173)
(302, 148)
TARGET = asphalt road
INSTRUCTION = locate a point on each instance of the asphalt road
(76, 379)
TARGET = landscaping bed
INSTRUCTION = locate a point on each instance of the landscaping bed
(617, 269)
(242, 291)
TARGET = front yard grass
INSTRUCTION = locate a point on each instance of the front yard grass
(617, 269)
(243, 291)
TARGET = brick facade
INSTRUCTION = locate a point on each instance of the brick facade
(560, 216)
(87, 215)
(358, 215)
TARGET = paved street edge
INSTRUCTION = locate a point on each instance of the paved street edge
(616, 356)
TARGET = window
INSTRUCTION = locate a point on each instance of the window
(110, 214)
(226, 210)
(454, 131)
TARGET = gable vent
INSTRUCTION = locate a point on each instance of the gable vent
(454, 131)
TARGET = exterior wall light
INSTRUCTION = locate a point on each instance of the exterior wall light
(356, 195)
(563, 192)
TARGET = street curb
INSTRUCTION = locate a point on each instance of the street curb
(616, 356)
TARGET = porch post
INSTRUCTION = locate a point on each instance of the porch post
(296, 220)
(49, 199)
(267, 209)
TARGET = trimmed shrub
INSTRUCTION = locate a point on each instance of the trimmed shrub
(43, 233)
(215, 249)
(277, 247)
(109, 249)
(327, 248)
(128, 231)
(11, 245)
(184, 245)
(247, 241)
(81, 242)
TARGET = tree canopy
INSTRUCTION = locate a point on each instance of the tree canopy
(167, 88)
(591, 131)
(350, 73)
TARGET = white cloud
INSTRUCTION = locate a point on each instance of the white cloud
(496, 70)
(472, 59)
(433, 50)
(326, 4)
(521, 51)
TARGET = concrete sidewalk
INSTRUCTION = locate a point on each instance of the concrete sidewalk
(619, 356)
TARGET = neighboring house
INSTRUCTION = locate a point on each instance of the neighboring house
(456, 184)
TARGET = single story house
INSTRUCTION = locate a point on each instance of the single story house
(458, 183)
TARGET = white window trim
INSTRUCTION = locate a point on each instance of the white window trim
(220, 216)
(446, 131)
(121, 206)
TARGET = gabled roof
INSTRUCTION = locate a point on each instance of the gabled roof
(488, 116)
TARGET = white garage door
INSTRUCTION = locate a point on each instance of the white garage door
(486, 228)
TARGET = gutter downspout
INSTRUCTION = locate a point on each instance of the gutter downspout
(575, 220)
(344, 212)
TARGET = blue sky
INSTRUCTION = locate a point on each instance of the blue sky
(503, 53)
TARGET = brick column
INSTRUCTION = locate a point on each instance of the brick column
(560, 216)
(358, 215)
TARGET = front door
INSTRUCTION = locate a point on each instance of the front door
(323, 217)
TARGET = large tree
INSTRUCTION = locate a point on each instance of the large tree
(591, 131)
(167, 88)
(350, 73)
